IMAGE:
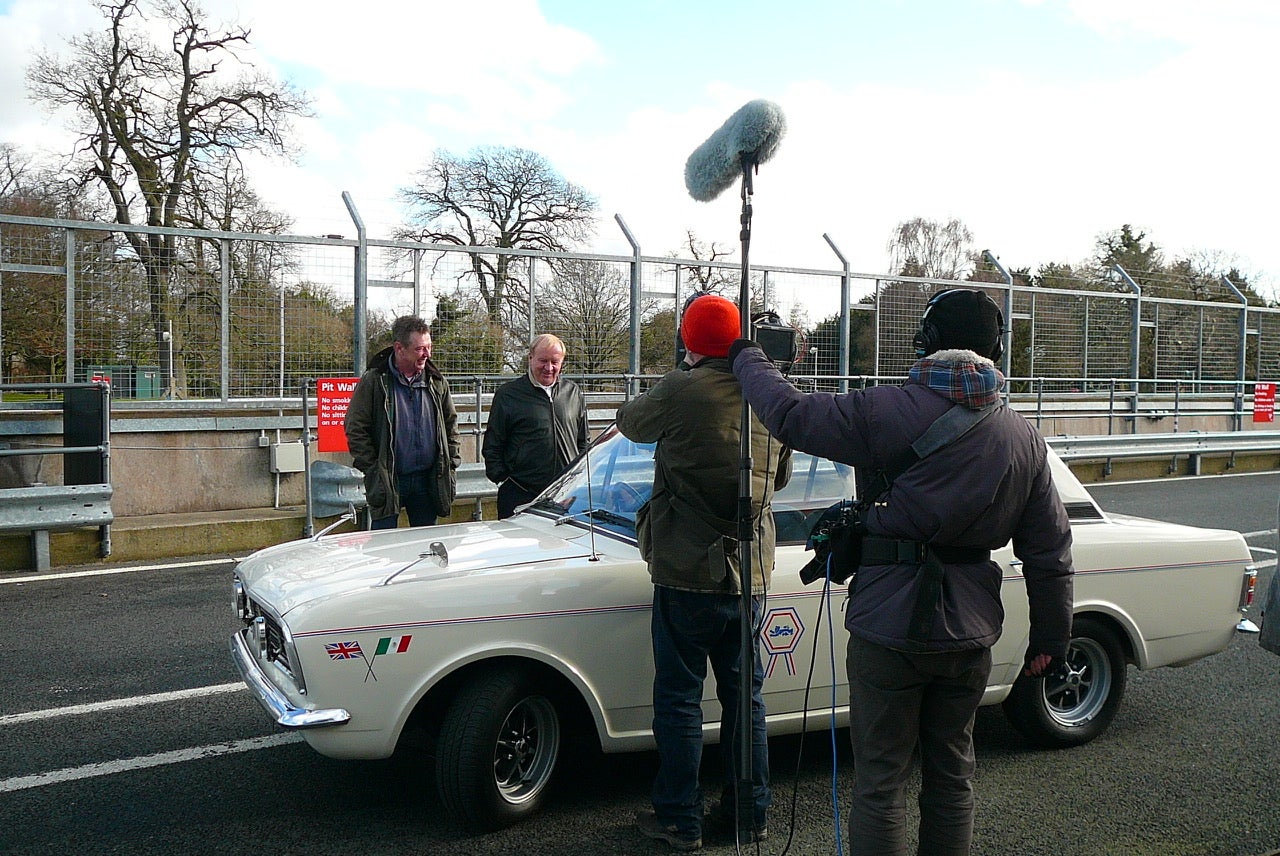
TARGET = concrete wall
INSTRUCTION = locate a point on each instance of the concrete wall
(179, 458)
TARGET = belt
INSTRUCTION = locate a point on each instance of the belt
(891, 551)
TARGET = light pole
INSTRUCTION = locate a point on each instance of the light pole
(167, 338)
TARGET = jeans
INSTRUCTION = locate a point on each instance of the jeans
(415, 499)
(690, 628)
(899, 704)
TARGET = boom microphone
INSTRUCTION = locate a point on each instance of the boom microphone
(752, 134)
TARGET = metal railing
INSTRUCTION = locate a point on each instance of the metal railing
(84, 498)
(1191, 445)
(250, 315)
(473, 485)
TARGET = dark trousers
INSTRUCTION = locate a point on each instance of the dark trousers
(899, 704)
(417, 501)
(690, 629)
(510, 495)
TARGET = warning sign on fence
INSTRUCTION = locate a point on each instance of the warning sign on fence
(1264, 402)
(333, 395)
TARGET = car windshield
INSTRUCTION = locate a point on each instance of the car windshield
(610, 483)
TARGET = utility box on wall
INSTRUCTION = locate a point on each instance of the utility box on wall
(147, 382)
(127, 381)
(287, 458)
(120, 378)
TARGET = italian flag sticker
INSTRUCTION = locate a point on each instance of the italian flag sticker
(392, 645)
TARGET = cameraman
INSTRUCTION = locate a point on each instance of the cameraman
(687, 535)
(911, 687)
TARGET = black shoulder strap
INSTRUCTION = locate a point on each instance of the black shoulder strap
(947, 428)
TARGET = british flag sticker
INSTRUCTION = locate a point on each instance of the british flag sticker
(343, 650)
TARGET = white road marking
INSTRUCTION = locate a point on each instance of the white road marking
(195, 753)
(102, 572)
(118, 704)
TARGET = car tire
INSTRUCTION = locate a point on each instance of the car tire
(1076, 706)
(497, 749)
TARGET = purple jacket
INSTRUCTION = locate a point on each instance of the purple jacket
(985, 489)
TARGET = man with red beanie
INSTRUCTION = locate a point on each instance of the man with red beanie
(687, 534)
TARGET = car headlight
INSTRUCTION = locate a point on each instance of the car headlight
(240, 600)
(260, 636)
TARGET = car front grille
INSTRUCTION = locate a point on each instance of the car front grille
(267, 634)
(277, 651)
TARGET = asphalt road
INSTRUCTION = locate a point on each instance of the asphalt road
(188, 764)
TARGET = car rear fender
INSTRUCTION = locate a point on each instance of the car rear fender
(1135, 651)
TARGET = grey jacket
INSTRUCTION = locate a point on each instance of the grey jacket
(687, 531)
(989, 487)
(369, 427)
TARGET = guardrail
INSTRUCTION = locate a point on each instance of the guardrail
(84, 497)
(1192, 445)
(51, 508)
(474, 485)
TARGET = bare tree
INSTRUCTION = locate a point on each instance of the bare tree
(927, 248)
(30, 185)
(15, 168)
(35, 310)
(713, 277)
(588, 305)
(156, 123)
(502, 197)
(709, 278)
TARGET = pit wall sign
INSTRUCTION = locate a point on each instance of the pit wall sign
(1264, 402)
(333, 396)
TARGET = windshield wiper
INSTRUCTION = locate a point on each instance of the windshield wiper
(610, 517)
(602, 514)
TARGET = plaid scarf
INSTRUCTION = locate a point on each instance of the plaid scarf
(959, 376)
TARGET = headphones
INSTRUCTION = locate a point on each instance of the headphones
(928, 338)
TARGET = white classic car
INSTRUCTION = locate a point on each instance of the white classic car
(498, 641)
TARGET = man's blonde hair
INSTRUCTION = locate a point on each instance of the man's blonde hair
(547, 339)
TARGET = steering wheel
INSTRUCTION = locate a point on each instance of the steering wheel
(623, 497)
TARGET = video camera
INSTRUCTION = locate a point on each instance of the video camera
(836, 542)
(778, 340)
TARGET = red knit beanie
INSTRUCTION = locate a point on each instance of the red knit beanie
(710, 325)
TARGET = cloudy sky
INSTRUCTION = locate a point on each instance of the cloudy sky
(1038, 123)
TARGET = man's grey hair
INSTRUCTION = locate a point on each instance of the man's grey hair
(405, 326)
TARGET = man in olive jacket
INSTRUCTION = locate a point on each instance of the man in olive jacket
(687, 534)
(402, 431)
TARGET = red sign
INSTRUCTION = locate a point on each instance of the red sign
(1264, 402)
(333, 395)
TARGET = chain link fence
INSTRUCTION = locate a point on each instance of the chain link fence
(235, 316)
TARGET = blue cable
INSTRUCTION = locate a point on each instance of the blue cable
(835, 788)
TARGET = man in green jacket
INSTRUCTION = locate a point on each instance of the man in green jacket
(402, 430)
(687, 534)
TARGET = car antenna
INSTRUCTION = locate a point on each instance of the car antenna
(591, 507)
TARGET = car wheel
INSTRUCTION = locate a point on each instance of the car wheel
(1076, 705)
(497, 749)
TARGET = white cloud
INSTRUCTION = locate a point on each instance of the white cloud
(1185, 21)
(1178, 145)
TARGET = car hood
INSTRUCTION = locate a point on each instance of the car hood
(288, 575)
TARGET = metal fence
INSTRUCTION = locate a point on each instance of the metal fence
(239, 316)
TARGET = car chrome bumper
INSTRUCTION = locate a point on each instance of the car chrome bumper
(274, 702)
